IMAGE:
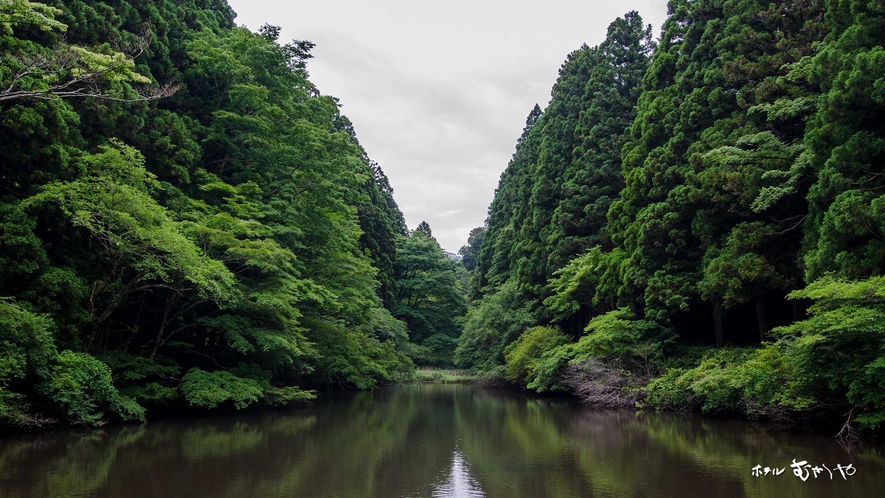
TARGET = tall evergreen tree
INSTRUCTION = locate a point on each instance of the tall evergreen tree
(677, 218)
(844, 231)
(593, 179)
(470, 252)
(494, 261)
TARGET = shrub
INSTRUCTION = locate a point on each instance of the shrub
(26, 353)
(490, 326)
(840, 348)
(522, 355)
(637, 346)
(209, 389)
(755, 382)
(81, 388)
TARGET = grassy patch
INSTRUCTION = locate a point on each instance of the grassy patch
(443, 376)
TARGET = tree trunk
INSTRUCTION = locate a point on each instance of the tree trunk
(761, 317)
(719, 324)
(160, 339)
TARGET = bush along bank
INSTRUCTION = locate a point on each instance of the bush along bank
(800, 375)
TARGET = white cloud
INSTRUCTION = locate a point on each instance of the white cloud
(439, 92)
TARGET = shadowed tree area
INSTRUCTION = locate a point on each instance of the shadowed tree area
(428, 297)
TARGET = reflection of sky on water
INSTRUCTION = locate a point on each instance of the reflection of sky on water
(443, 441)
(459, 483)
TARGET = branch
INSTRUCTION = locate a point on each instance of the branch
(70, 71)
(54, 94)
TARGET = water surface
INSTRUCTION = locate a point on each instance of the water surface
(434, 441)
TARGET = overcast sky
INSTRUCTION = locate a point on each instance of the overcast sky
(438, 92)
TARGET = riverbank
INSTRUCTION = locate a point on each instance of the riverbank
(440, 375)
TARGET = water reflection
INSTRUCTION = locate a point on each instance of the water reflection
(432, 441)
(459, 483)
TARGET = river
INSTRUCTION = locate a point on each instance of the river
(436, 440)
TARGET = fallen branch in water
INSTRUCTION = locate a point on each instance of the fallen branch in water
(848, 433)
(35, 421)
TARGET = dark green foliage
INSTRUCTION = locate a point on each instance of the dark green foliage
(81, 389)
(844, 231)
(490, 325)
(229, 244)
(428, 298)
(552, 200)
(424, 228)
(593, 178)
(556, 140)
(27, 353)
(681, 209)
(352, 359)
(470, 252)
(208, 389)
(744, 165)
(506, 215)
(380, 221)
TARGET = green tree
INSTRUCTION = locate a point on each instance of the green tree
(238, 249)
(490, 325)
(593, 178)
(494, 261)
(424, 228)
(32, 71)
(470, 252)
(28, 353)
(838, 349)
(428, 299)
(677, 213)
(844, 230)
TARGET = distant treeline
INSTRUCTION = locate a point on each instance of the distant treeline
(699, 221)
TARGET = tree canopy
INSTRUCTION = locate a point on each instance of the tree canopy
(682, 193)
(229, 244)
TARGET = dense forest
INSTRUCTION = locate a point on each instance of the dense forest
(698, 221)
(693, 222)
(186, 221)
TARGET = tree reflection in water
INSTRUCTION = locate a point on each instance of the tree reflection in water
(431, 441)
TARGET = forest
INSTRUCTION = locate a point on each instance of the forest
(694, 222)
(186, 222)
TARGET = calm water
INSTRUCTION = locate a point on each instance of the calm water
(433, 441)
